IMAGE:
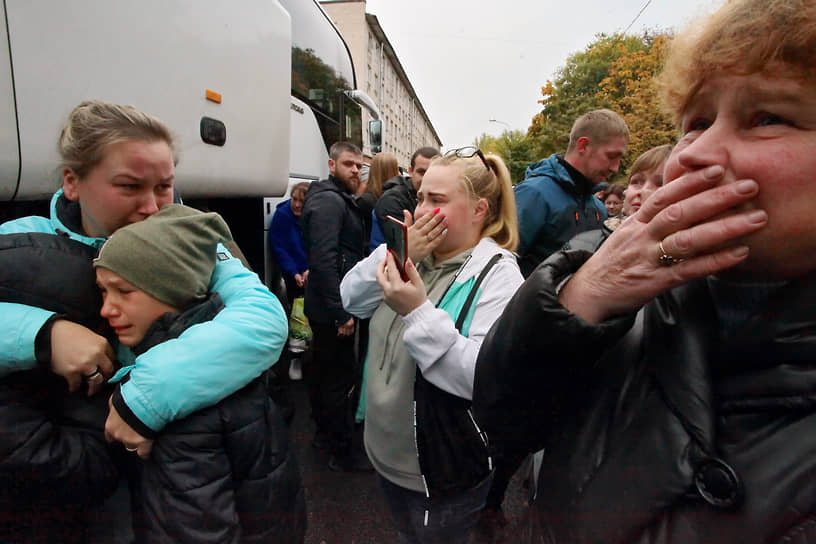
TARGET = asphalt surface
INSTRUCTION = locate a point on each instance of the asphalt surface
(348, 507)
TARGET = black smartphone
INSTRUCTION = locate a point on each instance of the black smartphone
(396, 240)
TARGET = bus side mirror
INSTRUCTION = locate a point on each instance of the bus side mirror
(375, 136)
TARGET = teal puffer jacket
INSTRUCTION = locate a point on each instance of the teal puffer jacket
(174, 379)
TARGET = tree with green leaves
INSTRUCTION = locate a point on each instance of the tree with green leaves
(629, 89)
(616, 72)
(513, 146)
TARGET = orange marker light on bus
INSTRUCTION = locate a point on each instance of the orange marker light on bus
(214, 96)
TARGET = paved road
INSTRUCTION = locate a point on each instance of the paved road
(348, 507)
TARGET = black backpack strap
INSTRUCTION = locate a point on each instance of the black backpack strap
(460, 320)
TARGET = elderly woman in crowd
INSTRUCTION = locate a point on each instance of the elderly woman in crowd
(670, 376)
(286, 242)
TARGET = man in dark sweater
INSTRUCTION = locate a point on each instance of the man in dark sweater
(555, 200)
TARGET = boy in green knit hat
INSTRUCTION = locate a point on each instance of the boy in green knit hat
(157, 266)
(227, 464)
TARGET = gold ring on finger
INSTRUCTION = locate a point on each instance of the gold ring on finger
(665, 259)
(95, 376)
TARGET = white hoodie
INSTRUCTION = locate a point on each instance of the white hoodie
(425, 338)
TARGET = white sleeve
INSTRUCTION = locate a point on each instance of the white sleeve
(359, 290)
(446, 358)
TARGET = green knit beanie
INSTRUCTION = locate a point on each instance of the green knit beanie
(170, 255)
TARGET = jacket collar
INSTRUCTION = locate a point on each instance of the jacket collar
(339, 185)
(471, 260)
(784, 326)
(581, 183)
(399, 181)
(171, 324)
(334, 184)
(66, 218)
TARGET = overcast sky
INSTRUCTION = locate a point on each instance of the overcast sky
(471, 61)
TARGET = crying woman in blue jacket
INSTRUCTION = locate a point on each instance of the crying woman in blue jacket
(118, 168)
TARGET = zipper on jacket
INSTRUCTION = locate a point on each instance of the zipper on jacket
(578, 216)
(421, 475)
(416, 437)
(482, 436)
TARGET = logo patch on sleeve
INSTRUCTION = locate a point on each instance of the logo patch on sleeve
(222, 256)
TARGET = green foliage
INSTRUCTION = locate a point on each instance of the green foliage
(630, 90)
(513, 146)
(616, 72)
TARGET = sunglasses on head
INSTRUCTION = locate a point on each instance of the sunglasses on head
(468, 152)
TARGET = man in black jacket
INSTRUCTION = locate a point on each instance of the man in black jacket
(334, 237)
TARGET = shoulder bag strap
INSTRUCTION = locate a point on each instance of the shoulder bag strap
(460, 320)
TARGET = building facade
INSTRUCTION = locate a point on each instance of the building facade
(406, 125)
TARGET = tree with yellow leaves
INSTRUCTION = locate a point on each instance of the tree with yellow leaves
(630, 90)
(616, 72)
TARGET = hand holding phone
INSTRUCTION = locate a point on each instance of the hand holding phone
(396, 239)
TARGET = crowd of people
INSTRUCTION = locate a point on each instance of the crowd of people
(647, 343)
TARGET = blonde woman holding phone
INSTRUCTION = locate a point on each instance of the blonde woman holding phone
(425, 335)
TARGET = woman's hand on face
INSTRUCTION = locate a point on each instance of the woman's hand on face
(117, 430)
(78, 353)
(401, 296)
(700, 223)
(425, 235)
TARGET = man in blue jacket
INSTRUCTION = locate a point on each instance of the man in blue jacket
(555, 200)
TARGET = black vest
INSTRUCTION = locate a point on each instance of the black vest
(51, 272)
(54, 461)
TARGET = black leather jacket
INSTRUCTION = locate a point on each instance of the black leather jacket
(225, 474)
(655, 428)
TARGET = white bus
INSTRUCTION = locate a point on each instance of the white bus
(255, 91)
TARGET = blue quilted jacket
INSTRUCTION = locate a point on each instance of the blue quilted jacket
(551, 211)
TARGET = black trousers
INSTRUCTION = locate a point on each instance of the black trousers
(331, 378)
